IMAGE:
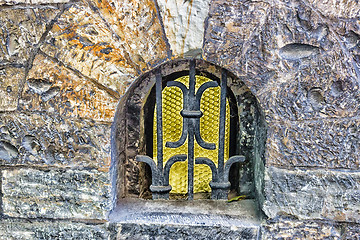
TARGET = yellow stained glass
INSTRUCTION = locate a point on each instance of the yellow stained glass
(209, 129)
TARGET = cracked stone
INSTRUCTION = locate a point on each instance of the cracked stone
(50, 86)
(20, 32)
(42, 140)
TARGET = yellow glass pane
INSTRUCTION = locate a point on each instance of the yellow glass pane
(209, 129)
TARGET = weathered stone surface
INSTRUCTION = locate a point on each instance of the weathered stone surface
(10, 77)
(63, 194)
(139, 30)
(81, 39)
(14, 229)
(295, 64)
(14, 2)
(321, 143)
(291, 228)
(337, 8)
(184, 22)
(157, 231)
(312, 194)
(54, 88)
(43, 140)
(351, 231)
(231, 26)
(21, 30)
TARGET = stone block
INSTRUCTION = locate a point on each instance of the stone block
(291, 228)
(138, 30)
(351, 232)
(231, 32)
(337, 8)
(183, 23)
(312, 194)
(21, 30)
(10, 78)
(58, 194)
(15, 229)
(82, 40)
(43, 140)
(321, 143)
(292, 59)
(32, 2)
(51, 87)
(167, 231)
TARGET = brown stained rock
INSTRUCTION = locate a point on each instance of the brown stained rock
(291, 228)
(10, 78)
(337, 8)
(21, 30)
(81, 40)
(139, 29)
(54, 88)
(42, 140)
(312, 194)
(322, 143)
(183, 22)
(61, 194)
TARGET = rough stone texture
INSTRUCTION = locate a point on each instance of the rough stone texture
(137, 27)
(81, 39)
(149, 231)
(301, 59)
(337, 8)
(312, 194)
(183, 22)
(290, 228)
(43, 140)
(291, 58)
(14, 2)
(230, 28)
(10, 77)
(21, 30)
(351, 231)
(321, 143)
(13, 229)
(53, 88)
(64, 194)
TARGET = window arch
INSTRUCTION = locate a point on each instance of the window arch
(134, 129)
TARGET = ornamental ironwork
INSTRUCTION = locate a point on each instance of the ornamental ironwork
(191, 115)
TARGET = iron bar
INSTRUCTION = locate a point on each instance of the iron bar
(222, 118)
(159, 125)
(191, 126)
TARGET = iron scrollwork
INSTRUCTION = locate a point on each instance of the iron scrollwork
(191, 114)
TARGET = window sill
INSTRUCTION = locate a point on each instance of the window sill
(182, 212)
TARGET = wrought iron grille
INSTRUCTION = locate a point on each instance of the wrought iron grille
(191, 115)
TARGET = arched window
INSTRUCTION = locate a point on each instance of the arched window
(209, 140)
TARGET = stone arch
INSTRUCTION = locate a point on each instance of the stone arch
(129, 140)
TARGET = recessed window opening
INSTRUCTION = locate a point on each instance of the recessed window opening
(211, 134)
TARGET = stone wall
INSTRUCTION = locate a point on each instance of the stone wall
(64, 66)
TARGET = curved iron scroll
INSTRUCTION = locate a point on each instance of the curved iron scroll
(160, 187)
